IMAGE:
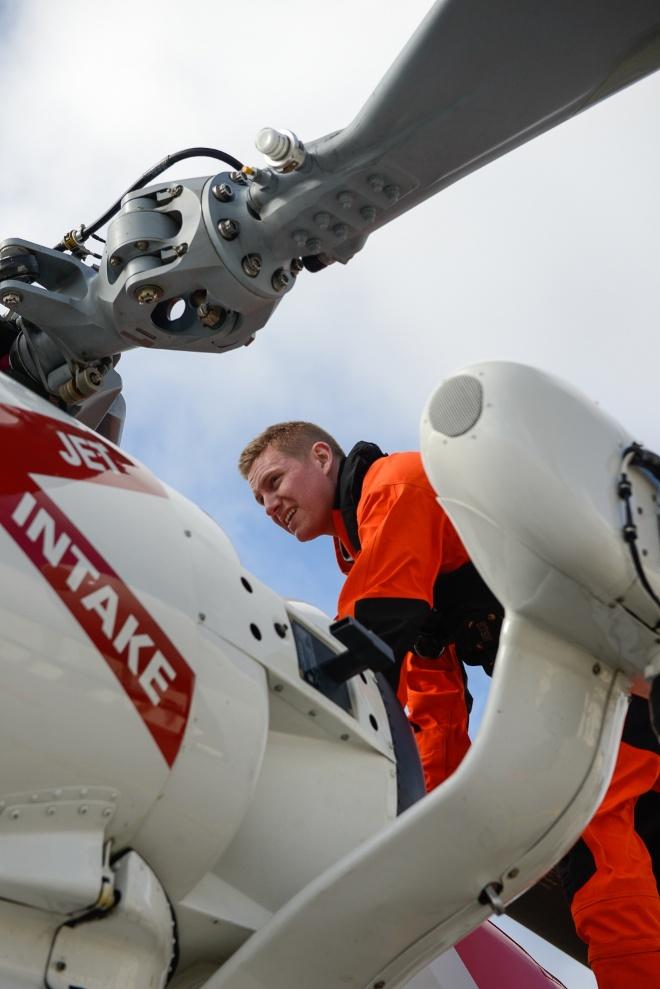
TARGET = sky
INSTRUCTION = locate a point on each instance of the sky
(548, 256)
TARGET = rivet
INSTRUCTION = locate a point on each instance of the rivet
(107, 811)
(322, 220)
(82, 810)
(314, 245)
(345, 199)
(300, 237)
(340, 230)
(377, 182)
(15, 814)
(368, 213)
(141, 245)
(392, 192)
(344, 737)
(50, 811)
(512, 873)
(595, 669)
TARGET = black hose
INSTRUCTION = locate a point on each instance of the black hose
(87, 231)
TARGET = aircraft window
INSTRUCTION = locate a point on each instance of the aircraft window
(312, 653)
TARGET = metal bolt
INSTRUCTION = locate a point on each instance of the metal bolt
(368, 213)
(223, 192)
(141, 245)
(512, 873)
(198, 297)
(251, 265)
(380, 984)
(278, 688)
(392, 192)
(115, 261)
(314, 245)
(228, 229)
(322, 220)
(210, 316)
(345, 199)
(107, 811)
(377, 182)
(340, 230)
(595, 669)
(82, 810)
(238, 177)
(11, 299)
(180, 250)
(148, 293)
(280, 280)
(300, 237)
(50, 811)
(296, 266)
(344, 737)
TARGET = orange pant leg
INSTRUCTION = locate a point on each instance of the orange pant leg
(617, 910)
(433, 693)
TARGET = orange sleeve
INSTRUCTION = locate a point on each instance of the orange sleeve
(403, 535)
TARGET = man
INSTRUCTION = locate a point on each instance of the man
(403, 563)
(409, 579)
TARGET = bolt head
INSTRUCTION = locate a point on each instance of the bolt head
(368, 213)
(115, 261)
(345, 199)
(340, 230)
(314, 245)
(223, 192)
(141, 245)
(280, 280)
(251, 265)
(296, 266)
(377, 182)
(210, 316)
(228, 229)
(148, 294)
(11, 299)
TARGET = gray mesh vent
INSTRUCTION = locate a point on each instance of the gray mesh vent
(456, 406)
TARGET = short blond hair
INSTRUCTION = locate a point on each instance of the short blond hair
(294, 438)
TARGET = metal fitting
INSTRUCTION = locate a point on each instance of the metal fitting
(393, 192)
(228, 229)
(11, 299)
(84, 382)
(322, 220)
(377, 182)
(141, 245)
(251, 265)
(296, 266)
(340, 230)
(147, 294)
(115, 261)
(300, 237)
(345, 199)
(210, 316)
(368, 214)
(314, 245)
(280, 280)
(281, 149)
(223, 192)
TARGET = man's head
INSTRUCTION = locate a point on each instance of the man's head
(292, 469)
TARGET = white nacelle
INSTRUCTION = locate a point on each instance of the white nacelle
(528, 470)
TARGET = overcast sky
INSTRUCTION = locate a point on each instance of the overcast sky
(548, 256)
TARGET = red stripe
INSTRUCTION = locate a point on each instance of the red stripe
(155, 676)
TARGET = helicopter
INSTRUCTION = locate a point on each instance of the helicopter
(97, 456)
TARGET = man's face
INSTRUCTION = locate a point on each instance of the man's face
(297, 494)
